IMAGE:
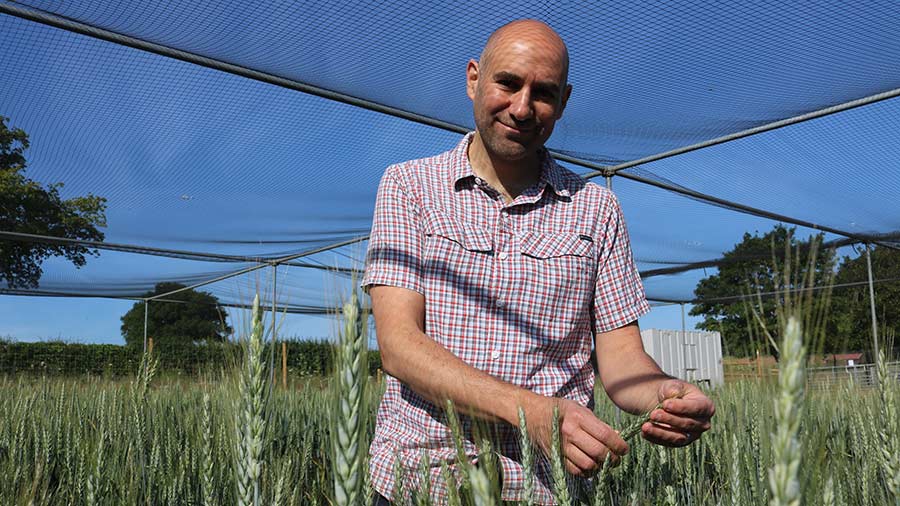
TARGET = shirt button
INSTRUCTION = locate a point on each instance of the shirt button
(495, 354)
(500, 303)
(502, 255)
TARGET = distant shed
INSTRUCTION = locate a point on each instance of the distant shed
(694, 355)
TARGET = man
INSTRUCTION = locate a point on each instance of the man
(491, 269)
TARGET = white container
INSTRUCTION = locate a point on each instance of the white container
(694, 355)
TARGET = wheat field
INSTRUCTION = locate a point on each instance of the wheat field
(83, 442)
(234, 439)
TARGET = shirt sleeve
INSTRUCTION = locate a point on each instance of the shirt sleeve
(394, 253)
(618, 294)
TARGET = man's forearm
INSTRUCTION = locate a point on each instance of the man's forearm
(436, 374)
(630, 377)
(635, 390)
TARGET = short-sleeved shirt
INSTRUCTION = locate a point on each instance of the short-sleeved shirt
(514, 289)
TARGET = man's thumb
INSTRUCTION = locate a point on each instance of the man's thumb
(671, 389)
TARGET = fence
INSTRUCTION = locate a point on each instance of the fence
(863, 375)
(765, 368)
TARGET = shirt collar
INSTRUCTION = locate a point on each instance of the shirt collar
(551, 172)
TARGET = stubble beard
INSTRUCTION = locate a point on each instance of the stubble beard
(499, 145)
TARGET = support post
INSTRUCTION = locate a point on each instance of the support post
(609, 182)
(146, 306)
(872, 302)
(684, 354)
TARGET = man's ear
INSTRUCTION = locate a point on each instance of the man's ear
(564, 100)
(471, 78)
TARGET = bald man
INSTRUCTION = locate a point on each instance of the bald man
(492, 271)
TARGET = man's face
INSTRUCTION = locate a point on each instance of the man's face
(518, 92)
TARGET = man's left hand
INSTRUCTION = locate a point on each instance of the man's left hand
(684, 415)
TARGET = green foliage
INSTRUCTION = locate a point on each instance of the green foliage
(188, 316)
(28, 207)
(305, 358)
(851, 322)
(754, 266)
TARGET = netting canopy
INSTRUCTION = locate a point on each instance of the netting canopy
(226, 135)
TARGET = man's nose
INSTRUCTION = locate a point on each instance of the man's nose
(521, 108)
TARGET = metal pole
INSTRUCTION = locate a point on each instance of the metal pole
(872, 302)
(609, 182)
(683, 345)
(146, 306)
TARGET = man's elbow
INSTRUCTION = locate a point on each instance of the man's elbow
(391, 356)
(388, 361)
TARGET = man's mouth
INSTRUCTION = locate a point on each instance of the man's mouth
(517, 130)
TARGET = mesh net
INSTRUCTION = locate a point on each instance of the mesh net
(199, 160)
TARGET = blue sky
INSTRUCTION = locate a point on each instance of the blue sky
(194, 159)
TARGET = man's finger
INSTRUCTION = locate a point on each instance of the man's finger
(667, 420)
(694, 408)
(596, 448)
(664, 437)
(604, 434)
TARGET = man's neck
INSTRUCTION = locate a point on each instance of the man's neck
(509, 177)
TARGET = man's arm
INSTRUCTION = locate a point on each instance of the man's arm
(436, 374)
(635, 383)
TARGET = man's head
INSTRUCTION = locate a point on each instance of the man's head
(519, 88)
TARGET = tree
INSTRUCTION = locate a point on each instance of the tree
(185, 317)
(851, 321)
(28, 207)
(755, 266)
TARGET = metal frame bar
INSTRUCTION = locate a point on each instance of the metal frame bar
(262, 265)
(733, 298)
(768, 127)
(161, 252)
(48, 293)
(71, 25)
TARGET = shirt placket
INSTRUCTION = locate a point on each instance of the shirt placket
(498, 279)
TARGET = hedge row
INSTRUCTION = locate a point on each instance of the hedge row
(304, 358)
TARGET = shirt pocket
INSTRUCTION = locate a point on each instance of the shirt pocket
(558, 272)
(455, 252)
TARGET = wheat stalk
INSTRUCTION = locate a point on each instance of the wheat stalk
(784, 481)
(887, 433)
(560, 483)
(349, 420)
(527, 459)
(250, 412)
(208, 480)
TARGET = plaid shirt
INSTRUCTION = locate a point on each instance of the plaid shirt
(513, 289)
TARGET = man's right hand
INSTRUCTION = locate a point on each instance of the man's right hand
(586, 440)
